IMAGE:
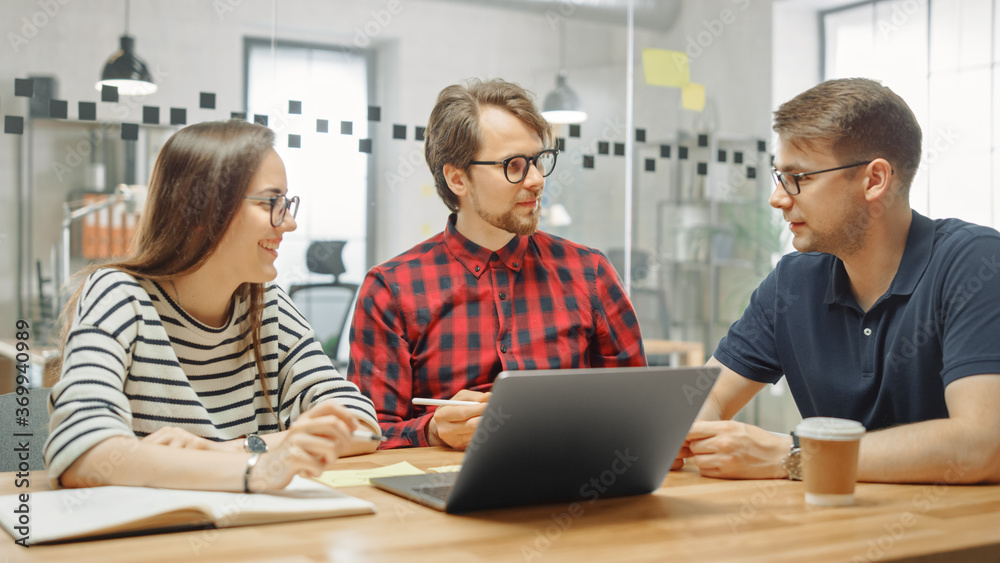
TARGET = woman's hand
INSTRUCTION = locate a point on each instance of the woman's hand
(313, 444)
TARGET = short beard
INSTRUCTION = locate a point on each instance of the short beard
(509, 221)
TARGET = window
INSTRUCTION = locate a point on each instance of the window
(327, 171)
(943, 58)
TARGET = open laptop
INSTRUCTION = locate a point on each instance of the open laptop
(568, 435)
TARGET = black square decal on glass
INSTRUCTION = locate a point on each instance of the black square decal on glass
(702, 140)
(13, 124)
(682, 153)
(418, 133)
(374, 113)
(640, 135)
(399, 132)
(588, 161)
(24, 87)
(574, 130)
(238, 115)
(560, 144)
(603, 147)
(664, 151)
(702, 168)
(346, 128)
(151, 115)
(737, 157)
(761, 146)
(650, 165)
(178, 116)
(751, 172)
(260, 119)
(58, 109)
(130, 131)
(295, 141)
(365, 146)
(109, 93)
(619, 149)
(721, 155)
(294, 107)
(206, 100)
(322, 126)
(87, 111)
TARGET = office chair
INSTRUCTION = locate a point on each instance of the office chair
(326, 305)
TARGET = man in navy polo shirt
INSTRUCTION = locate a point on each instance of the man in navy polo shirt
(882, 316)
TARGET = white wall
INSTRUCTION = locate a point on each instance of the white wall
(421, 46)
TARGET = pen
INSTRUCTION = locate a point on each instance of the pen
(444, 402)
(367, 435)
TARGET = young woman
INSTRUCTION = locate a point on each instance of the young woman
(181, 367)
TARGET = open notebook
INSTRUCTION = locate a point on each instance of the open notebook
(99, 512)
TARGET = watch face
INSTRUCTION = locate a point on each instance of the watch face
(255, 444)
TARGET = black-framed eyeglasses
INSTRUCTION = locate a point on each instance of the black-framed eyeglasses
(280, 204)
(787, 180)
(515, 168)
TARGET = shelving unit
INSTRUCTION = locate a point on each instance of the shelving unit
(704, 220)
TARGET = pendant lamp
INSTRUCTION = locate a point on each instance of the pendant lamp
(125, 69)
(562, 105)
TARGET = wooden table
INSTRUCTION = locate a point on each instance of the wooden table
(691, 518)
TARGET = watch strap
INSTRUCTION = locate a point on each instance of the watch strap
(251, 463)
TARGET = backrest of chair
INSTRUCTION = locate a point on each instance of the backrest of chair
(324, 257)
(326, 307)
(33, 434)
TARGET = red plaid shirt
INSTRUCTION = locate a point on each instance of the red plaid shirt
(449, 315)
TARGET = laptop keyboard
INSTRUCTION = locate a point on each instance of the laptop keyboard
(439, 492)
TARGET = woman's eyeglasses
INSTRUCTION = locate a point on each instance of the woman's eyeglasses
(280, 204)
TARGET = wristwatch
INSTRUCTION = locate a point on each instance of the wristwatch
(254, 444)
(792, 461)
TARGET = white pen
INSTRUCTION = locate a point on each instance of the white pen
(445, 402)
(367, 435)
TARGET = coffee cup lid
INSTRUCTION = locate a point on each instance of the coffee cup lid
(826, 428)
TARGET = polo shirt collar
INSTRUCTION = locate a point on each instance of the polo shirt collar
(477, 259)
(916, 257)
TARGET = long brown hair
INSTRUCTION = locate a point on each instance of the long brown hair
(453, 135)
(197, 187)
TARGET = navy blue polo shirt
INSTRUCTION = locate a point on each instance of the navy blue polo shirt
(938, 322)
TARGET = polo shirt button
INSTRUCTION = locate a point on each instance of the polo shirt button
(503, 296)
(868, 332)
(516, 265)
(477, 268)
(503, 349)
(494, 257)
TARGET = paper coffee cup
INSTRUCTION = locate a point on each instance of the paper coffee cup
(829, 459)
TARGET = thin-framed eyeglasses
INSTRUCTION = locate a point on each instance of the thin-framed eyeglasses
(515, 168)
(790, 181)
(280, 204)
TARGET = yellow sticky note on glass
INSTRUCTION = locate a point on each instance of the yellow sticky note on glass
(666, 68)
(693, 97)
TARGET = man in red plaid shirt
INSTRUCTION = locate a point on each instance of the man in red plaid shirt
(491, 292)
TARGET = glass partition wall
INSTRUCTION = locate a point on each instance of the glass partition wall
(667, 175)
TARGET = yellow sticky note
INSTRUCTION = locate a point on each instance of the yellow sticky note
(666, 68)
(358, 477)
(426, 190)
(693, 97)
